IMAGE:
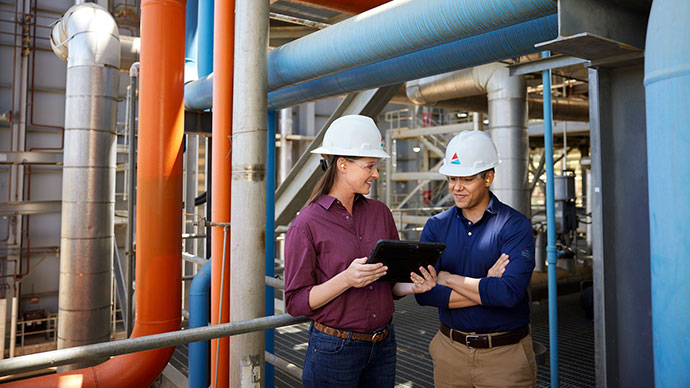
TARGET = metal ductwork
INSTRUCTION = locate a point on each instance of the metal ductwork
(88, 37)
(507, 103)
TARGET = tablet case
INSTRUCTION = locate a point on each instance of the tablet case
(403, 257)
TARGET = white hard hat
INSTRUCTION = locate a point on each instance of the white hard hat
(353, 135)
(469, 153)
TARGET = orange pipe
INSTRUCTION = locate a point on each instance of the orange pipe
(159, 205)
(348, 6)
(223, 63)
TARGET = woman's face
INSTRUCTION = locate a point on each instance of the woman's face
(358, 173)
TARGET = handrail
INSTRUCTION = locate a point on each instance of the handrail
(138, 344)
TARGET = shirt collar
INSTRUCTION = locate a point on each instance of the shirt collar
(326, 201)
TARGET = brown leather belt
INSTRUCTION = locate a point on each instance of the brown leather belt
(485, 340)
(369, 337)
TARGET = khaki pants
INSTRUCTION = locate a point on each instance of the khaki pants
(504, 366)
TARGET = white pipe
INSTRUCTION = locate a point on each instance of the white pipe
(13, 325)
(507, 99)
(247, 242)
(3, 326)
(88, 37)
(285, 147)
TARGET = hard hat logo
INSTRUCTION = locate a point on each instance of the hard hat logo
(478, 154)
(353, 135)
(455, 159)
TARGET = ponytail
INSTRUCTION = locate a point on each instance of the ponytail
(326, 182)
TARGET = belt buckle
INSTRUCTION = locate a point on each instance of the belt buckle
(378, 336)
(467, 340)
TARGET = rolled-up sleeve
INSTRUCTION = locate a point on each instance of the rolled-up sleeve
(439, 295)
(510, 289)
(300, 264)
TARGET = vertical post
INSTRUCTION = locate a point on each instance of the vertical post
(551, 253)
(223, 48)
(247, 240)
(131, 195)
(285, 147)
(270, 228)
(3, 324)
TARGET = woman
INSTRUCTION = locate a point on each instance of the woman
(351, 339)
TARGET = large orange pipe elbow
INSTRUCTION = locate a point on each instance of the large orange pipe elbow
(223, 63)
(349, 6)
(159, 205)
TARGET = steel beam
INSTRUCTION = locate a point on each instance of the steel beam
(398, 134)
(417, 176)
(542, 64)
(30, 207)
(30, 157)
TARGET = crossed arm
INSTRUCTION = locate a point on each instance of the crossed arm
(465, 290)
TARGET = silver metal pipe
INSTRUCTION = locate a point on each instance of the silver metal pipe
(300, 21)
(132, 103)
(507, 105)
(88, 37)
(287, 367)
(275, 282)
(193, 259)
(248, 267)
(138, 344)
(285, 146)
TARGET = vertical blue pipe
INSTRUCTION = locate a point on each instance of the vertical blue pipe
(270, 231)
(205, 50)
(198, 363)
(551, 252)
(190, 41)
(667, 89)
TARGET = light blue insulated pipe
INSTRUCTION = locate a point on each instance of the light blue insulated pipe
(551, 251)
(205, 33)
(667, 88)
(199, 316)
(191, 41)
(391, 30)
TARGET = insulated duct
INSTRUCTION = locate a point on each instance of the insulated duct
(508, 42)
(391, 30)
(667, 89)
(507, 99)
(88, 37)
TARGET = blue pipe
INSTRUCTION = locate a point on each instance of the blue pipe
(190, 41)
(270, 233)
(496, 45)
(205, 50)
(551, 251)
(392, 30)
(667, 88)
(199, 316)
(508, 42)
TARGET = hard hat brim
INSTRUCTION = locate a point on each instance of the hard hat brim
(349, 152)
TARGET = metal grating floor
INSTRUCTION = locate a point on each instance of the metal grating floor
(416, 325)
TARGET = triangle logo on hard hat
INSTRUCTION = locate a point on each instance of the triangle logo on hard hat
(455, 159)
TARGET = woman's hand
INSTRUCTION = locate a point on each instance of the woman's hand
(496, 270)
(360, 274)
(423, 283)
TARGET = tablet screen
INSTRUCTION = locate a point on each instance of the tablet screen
(403, 257)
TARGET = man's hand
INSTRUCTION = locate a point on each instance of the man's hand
(360, 274)
(496, 270)
(425, 283)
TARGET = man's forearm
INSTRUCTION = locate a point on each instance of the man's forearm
(464, 286)
(457, 301)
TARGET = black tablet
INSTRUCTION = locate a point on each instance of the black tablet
(403, 257)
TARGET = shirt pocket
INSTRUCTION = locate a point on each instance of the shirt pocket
(326, 344)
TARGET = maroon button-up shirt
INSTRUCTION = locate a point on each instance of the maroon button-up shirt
(323, 241)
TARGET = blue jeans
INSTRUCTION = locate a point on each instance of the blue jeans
(345, 363)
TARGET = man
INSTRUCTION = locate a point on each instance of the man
(483, 275)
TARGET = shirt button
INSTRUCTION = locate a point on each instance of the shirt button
(469, 222)
(469, 233)
(374, 315)
(347, 217)
(371, 287)
(360, 237)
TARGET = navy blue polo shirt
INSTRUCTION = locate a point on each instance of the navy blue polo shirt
(471, 249)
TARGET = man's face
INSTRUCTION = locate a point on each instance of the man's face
(469, 192)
